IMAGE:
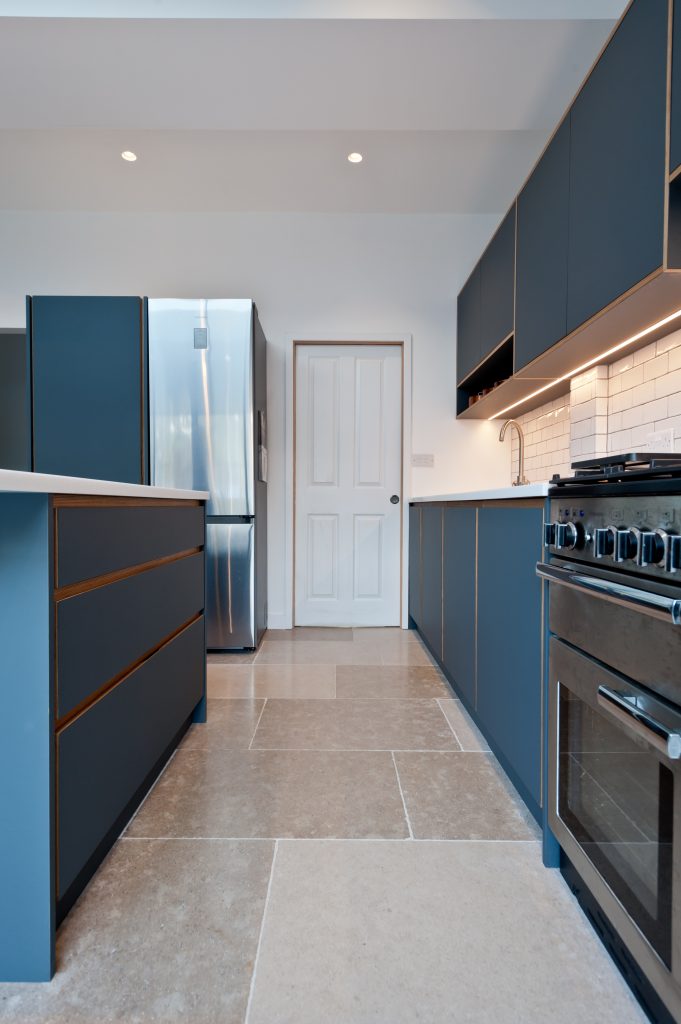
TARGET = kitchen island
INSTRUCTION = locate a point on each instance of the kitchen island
(102, 669)
(476, 601)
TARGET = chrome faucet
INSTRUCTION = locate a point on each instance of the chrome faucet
(520, 479)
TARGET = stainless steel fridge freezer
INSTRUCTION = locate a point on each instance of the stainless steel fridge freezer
(207, 412)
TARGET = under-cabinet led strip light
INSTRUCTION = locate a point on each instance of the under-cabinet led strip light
(592, 362)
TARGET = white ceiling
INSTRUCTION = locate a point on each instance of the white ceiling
(259, 114)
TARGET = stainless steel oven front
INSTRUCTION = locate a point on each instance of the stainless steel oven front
(614, 799)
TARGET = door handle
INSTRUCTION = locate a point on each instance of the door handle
(394, 499)
(664, 736)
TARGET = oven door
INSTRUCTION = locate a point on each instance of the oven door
(615, 772)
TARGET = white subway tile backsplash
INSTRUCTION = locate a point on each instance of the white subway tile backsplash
(656, 367)
(609, 409)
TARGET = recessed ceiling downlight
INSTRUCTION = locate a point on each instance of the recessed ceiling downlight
(128, 154)
(355, 158)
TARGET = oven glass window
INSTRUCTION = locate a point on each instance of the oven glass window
(616, 797)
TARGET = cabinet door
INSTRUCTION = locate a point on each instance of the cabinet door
(675, 139)
(88, 394)
(431, 577)
(617, 165)
(458, 589)
(468, 326)
(509, 639)
(497, 271)
(542, 252)
(415, 563)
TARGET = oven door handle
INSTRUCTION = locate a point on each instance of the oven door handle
(625, 708)
(659, 607)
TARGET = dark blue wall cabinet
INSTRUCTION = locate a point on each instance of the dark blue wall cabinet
(459, 598)
(675, 140)
(497, 271)
(15, 403)
(431, 577)
(89, 407)
(468, 347)
(415, 563)
(617, 165)
(509, 644)
(542, 252)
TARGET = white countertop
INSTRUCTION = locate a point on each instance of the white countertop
(539, 490)
(19, 482)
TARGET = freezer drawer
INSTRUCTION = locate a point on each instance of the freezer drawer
(230, 585)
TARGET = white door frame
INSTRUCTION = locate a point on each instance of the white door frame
(405, 340)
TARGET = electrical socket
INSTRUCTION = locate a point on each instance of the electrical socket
(661, 441)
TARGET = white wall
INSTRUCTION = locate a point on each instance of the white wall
(312, 275)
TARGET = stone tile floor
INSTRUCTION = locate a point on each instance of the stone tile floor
(336, 845)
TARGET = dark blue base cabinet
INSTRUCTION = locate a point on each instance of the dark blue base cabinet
(102, 669)
(476, 578)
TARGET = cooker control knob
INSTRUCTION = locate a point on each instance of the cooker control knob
(604, 542)
(670, 558)
(650, 547)
(625, 544)
(568, 535)
(549, 534)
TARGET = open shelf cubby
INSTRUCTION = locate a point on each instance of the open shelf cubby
(493, 371)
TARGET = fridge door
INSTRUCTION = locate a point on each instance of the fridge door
(201, 399)
(230, 586)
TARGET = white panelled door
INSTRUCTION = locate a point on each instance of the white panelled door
(348, 466)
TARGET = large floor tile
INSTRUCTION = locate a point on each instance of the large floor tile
(386, 633)
(231, 658)
(230, 724)
(353, 725)
(263, 794)
(306, 634)
(465, 729)
(396, 652)
(443, 933)
(166, 931)
(325, 652)
(390, 681)
(282, 681)
(461, 796)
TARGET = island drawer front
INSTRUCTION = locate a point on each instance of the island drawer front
(103, 632)
(95, 541)
(105, 755)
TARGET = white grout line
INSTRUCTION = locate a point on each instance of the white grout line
(404, 802)
(449, 723)
(151, 788)
(258, 722)
(262, 930)
(312, 839)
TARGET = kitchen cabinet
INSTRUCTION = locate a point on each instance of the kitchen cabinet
(468, 307)
(415, 563)
(542, 249)
(102, 662)
(459, 598)
(497, 271)
(88, 372)
(482, 617)
(675, 132)
(509, 651)
(15, 405)
(617, 165)
(431, 577)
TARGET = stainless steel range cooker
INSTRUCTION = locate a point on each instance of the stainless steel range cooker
(613, 562)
